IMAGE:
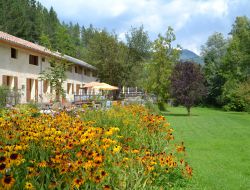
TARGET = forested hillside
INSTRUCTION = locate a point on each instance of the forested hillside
(30, 20)
(118, 63)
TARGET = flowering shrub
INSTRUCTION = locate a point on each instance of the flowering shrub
(122, 148)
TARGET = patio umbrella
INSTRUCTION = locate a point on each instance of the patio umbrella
(105, 86)
(91, 84)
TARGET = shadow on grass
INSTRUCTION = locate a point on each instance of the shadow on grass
(178, 114)
(237, 113)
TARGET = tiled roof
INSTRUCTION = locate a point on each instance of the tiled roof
(32, 46)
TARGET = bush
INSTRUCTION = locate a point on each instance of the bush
(4, 91)
(162, 106)
(121, 148)
(236, 96)
(152, 107)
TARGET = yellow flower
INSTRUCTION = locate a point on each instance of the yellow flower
(135, 151)
(8, 181)
(42, 164)
(29, 186)
(117, 149)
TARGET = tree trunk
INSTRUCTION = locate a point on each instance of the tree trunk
(188, 109)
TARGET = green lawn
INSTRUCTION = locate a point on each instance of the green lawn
(217, 144)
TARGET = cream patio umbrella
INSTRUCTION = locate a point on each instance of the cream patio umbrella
(105, 86)
(92, 84)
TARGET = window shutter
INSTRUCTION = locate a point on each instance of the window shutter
(36, 90)
(15, 83)
(68, 87)
(45, 86)
(72, 88)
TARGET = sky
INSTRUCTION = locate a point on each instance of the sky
(193, 21)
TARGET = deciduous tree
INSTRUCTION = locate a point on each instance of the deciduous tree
(159, 69)
(187, 84)
(213, 53)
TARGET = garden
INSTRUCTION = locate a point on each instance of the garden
(125, 147)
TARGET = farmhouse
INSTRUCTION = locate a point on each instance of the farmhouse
(21, 63)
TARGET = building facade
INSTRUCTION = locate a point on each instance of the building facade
(21, 63)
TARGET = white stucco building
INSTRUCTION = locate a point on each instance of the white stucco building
(21, 63)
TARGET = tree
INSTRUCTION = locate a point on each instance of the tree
(63, 42)
(187, 84)
(236, 67)
(238, 53)
(137, 52)
(164, 57)
(56, 76)
(213, 53)
(107, 54)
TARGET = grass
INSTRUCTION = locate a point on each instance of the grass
(217, 144)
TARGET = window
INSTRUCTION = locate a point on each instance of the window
(13, 53)
(45, 86)
(68, 87)
(33, 60)
(69, 69)
(43, 59)
(78, 69)
(10, 81)
(87, 72)
(78, 89)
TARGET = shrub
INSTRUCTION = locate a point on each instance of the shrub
(236, 96)
(4, 91)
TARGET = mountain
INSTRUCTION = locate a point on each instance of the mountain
(187, 55)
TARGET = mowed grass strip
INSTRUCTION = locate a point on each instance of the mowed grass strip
(218, 146)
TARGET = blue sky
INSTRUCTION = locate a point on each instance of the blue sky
(192, 20)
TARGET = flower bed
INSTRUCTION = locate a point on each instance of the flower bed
(121, 148)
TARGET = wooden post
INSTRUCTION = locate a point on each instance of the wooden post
(36, 90)
(28, 93)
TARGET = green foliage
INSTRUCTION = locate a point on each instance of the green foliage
(238, 54)
(118, 63)
(138, 51)
(107, 55)
(56, 75)
(213, 53)
(243, 91)
(27, 107)
(236, 96)
(4, 91)
(63, 41)
(227, 66)
(158, 71)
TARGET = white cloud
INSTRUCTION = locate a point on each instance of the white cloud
(122, 36)
(155, 15)
(149, 12)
